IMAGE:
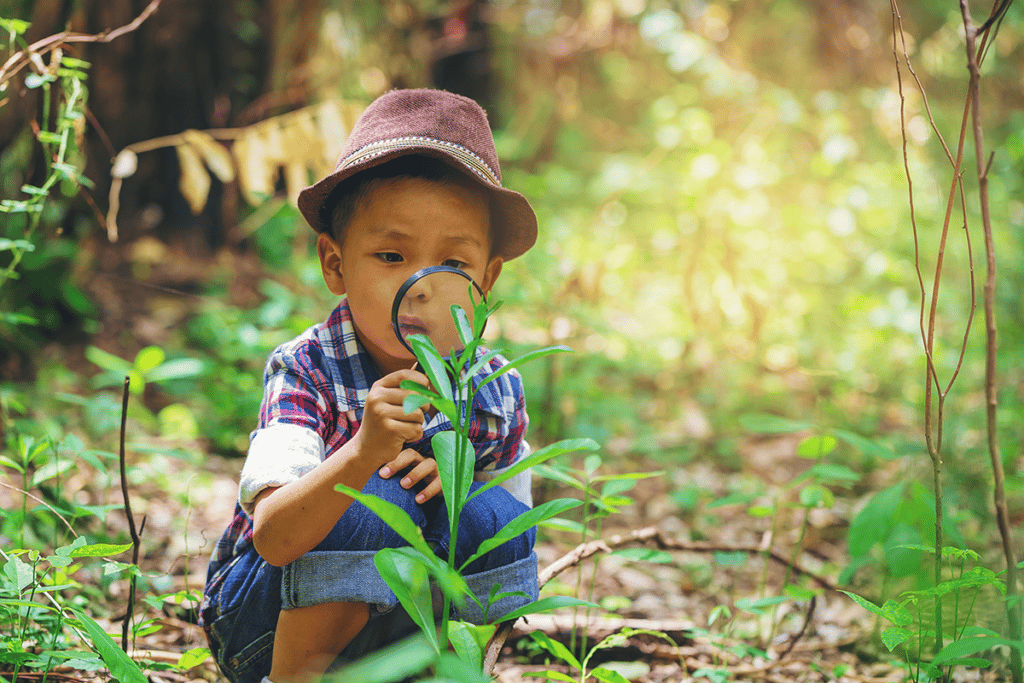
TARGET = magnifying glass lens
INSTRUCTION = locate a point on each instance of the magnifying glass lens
(424, 306)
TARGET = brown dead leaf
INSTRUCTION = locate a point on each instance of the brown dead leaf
(194, 181)
(216, 156)
(256, 173)
(296, 177)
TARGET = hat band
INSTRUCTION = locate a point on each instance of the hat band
(463, 155)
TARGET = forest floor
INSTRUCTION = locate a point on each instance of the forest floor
(827, 639)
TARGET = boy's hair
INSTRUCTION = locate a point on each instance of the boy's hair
(353, 191)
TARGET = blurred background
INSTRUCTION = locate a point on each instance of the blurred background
(725, 229)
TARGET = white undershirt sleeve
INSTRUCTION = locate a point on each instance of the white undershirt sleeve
(278, 454)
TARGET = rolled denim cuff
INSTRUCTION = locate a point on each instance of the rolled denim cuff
(518, 576)
(335, 576)
(350, 576)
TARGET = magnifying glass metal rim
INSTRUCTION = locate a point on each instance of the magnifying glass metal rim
(413, 279)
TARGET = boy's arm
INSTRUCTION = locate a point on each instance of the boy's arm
(290, 520)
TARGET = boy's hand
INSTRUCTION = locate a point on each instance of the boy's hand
(424, 471)
(386, 427)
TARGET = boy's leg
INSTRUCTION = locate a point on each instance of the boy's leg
(327, 593)
(308, 639)
(512, 565)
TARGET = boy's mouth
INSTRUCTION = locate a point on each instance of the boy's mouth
(410, 324)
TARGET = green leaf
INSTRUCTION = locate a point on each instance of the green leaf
(544, 454)
(15, 26)
(566, 525)
(828, 472)
(866, 604)
(121, 666)
(108, 361)
(560, 651)
(99, 550)
(469, 640)
(522, 523)
(452, 667)
(814, 447)
(413, 402)
(865, 446)
(20, 573)
(393, 663)
(757, 605)
(606, 675)
(462, 325)
(179, 368)
(976, 662)
(969, 646)
(407, 578)
(644, 555)
(550, 675)
(895, 636)
(481, 362)
(149, 357)
(763, 423)
(546, 604)
(816, 496)
(455, 469)
(394, 516)
(52, 469)
(526, 358)
(12, 245)
(433, 366)
(193, 658)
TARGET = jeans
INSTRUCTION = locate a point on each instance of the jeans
(243, 614)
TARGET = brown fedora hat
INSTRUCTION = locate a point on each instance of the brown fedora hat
(434, 123)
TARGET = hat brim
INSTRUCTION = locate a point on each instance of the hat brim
(516, 234)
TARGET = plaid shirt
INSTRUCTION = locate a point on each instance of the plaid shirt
(320, 380)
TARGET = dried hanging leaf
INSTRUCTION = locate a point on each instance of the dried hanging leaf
(216, 156)
(194, 181)
(296, 177)
(125, 164)
(301, 140)
(334, 120)
(273, 139)
(255, 172)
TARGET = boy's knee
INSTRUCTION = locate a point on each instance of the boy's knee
(482, 518)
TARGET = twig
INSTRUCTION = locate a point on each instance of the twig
(803, 629)
(41, 502)
(131, 521)
(22, 58)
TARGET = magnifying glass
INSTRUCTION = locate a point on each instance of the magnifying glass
(423, 305)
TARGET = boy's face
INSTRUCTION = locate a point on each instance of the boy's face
(401, 226)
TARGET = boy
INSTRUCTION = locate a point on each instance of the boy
(292, 585)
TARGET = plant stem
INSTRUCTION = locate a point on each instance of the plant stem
(991, 395)
(131, 521)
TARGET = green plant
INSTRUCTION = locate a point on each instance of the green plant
(608, 672)
(598, 504)
(58, 133)
(913, 631)
(408, 570)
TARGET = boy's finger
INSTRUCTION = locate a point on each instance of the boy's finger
(431, 490)
(407, 457)
(418, 473)
(394, 379)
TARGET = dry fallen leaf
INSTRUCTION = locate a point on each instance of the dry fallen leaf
(194, 182)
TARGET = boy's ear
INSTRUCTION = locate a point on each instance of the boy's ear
(491, 274)
(329, 251)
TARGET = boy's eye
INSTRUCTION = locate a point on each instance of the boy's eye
(455, 263)
(389, 257)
